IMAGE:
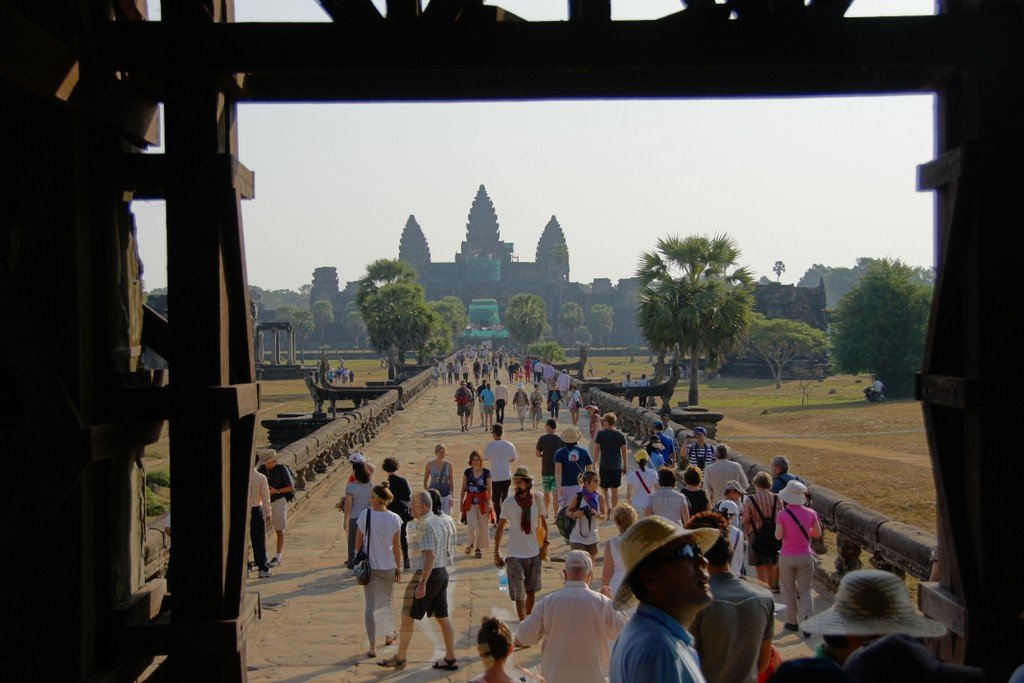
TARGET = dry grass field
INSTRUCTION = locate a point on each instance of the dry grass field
(874, 453)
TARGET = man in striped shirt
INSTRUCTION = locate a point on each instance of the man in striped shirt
(700, 453)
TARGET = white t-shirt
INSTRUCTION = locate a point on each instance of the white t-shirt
(641, 499)
(501, 393)
(586, 531)
(500, 454)
(382, 531)
(668, 503)
(521, 544)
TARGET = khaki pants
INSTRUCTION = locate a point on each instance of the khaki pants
(795, 573)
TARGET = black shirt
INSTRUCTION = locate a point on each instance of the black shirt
(611, 442)
(399, 487)
(277, 478)
(548, 445)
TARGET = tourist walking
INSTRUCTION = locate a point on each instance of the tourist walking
(795, 525)
(282, 491)
(666, 572)
(575, 402)
(521, 403)
(721, 472)
(693, 489)
(500, 399)
(475, 503)
(587, 508)
(523, 516)
(378, 534)
(741, 614)
(401, 502)
(486, 404)
(759, 524)
(780, 473)
(613, 570)
(666, 502)
(641, 482)
(547, 445)
(494, 644)
(464, 406)
(662, 444)
(438, 474)
(594, 421)
(571, 460)
(536, 405)
(610, 452)
(500, 453)
(356, 500)
(574, 625)
(730, 512)
(426, 594)
(700, 453)
(259, 519)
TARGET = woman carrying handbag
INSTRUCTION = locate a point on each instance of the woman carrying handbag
(378, 536)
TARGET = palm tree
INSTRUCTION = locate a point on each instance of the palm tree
(380, 273)
(692, 293)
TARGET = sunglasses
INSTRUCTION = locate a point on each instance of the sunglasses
(687, 551)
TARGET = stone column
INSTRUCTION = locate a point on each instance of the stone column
(277, 347)
(291, 346)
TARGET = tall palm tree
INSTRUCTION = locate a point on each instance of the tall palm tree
(380, 273)
(693, 293)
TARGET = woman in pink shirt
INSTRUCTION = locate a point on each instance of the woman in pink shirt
(795, 525)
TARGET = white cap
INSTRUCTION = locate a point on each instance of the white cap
(357, 457)
(728, 508)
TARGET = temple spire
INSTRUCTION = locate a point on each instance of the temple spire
(413, 247)
(552, 251)
(482, 222)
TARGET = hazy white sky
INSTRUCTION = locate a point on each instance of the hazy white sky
(800, 180)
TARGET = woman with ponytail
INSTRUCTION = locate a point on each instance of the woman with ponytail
(378, 534)
(494, 643)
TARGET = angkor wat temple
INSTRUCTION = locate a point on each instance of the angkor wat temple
(488, 268)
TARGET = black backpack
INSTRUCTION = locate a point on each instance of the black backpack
(564, 522)
(764, 542)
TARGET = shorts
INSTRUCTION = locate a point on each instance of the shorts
(434, 602)
(611, 479)
(549, 483)
(488, 410)
(523, 576)
(279, 514)
(754, 558)
(589, 547)
(463, 410)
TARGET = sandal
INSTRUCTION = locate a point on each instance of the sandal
(371, 654)
(469, 549)
(478, 554)
(391, 662)
(449, 664)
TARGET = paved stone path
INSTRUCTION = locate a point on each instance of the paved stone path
(312, 620)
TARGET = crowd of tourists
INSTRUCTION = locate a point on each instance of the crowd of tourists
(693, 556)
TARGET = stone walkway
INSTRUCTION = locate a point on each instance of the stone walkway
(312, 620)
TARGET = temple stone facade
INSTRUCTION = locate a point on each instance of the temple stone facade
(486, 267)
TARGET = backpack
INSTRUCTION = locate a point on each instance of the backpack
(698, 500)
(563, 521)
(462, 397)
(291, 475)
(764, 542)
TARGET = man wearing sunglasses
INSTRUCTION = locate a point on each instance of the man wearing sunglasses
(667, 573)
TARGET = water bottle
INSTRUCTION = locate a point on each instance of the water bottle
(502, 580)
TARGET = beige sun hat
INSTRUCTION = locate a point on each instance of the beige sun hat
(795, 493)
(647, 536)
(571, 434)
(266, 455)
(523, 473)
(870, 602)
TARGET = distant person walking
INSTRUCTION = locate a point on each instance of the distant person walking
(610, 452)
(282, 487)
(464, 406)
(438, 474)
(476, 503)
(536, 405)
(523, 515)
(500, 454)
(547, 445)
(521, 403)
(500, 399)
(401, 503)
(379, 536)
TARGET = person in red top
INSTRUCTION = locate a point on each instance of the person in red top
(463, 405)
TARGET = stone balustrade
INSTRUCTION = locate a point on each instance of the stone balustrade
(313, 457)
(890, 545)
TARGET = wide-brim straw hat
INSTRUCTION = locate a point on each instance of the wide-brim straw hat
(571, 435)
(871, 602)
(266, 455)
(795, 493)
(592, 408)
(646, 537)
(522, 473)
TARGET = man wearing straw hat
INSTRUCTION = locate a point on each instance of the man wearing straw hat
(523, 513)
(869, 604)
(666, 571)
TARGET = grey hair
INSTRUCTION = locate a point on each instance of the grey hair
(424, 499)
(578, 562)
(781, 462)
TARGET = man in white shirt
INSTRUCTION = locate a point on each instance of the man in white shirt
(577, 625)
(549, 372)
(500, 399)
(500, 453)
(563, 382)
(721, 472)
(522, 514)
(259, 518)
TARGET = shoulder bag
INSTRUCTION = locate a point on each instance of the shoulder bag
(362, 568)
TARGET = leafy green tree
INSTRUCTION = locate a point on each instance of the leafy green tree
(601, 320)
(778, 341)
(692, 293)
(526, 318)
(840, 280)
(398, 321)
(779, 268)
(453, 314)
(380, 273)
(880, 326)
(571, 318)
(583, 335)
(548, 351)
(323, 315)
